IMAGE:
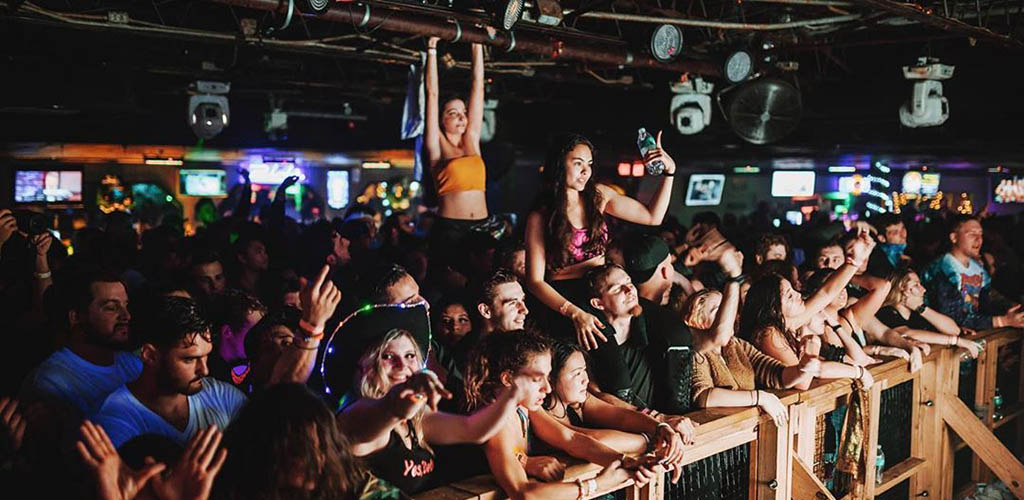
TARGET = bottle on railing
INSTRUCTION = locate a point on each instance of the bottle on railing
(964, 356)
(997, 405)
(981, 411)
(879, 465)
(646, 142)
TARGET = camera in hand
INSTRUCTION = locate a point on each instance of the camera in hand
(31, 223)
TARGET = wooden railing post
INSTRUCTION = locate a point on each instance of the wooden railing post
(874, 405)
(984, 444)
(774, 462)
(782, 457)
(929, 430)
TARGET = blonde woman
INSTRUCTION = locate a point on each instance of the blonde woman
(906, 312)
(396, 420)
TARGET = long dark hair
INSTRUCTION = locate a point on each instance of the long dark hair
(763, 308)
(560, 352)
(497, 353)
(552, 201)
(272, 436)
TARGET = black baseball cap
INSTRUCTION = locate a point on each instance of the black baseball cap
(642, 256)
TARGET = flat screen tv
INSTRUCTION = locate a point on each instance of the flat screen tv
(48, 186)
(930, 183)
(790, 183)
(1008, 188)
(203, 183)
(337, 189)
(705, 190)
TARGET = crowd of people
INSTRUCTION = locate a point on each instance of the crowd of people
(367, 358)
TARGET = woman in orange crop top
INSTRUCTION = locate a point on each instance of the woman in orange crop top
(566, 233)
(452, 139)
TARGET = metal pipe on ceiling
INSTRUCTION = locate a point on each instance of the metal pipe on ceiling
(917, 13)
(702, 23)
(362, 16)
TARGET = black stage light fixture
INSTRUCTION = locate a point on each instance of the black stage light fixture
(739, 65)
(666, 42)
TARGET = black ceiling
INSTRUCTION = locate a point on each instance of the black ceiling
(73, 83)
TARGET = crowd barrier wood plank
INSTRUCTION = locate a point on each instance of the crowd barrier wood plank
(782, 457)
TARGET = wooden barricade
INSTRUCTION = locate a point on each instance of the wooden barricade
(782, 458)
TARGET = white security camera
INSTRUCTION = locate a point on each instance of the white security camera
(927, 106)
(690, 109)
(208, 110)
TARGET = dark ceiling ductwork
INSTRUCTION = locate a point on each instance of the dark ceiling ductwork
(400, 21)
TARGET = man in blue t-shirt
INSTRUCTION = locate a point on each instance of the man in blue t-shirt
(173, 396)
(77, 378)
(959, 287)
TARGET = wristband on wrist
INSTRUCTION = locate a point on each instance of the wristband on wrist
(591, 486)
(736, 279)
(314, 331)
(43, 276)
(757, 397)
(665, 173)
(921, 308)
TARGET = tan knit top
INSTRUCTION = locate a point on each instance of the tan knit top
(739, 366)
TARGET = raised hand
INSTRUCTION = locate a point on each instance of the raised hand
(861, 248)
(659, 154)
(12, 425)
(432, 42)
(693, 256)
(319, 300)
(422, 388)
(8, 225)
(192, 477)
(114, 479)
(244, 173)
(42, 242)
(288, 182)
(547, 469)
(731, 262)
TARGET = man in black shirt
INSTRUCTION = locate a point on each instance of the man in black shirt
(632, 363)
(648, 262)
